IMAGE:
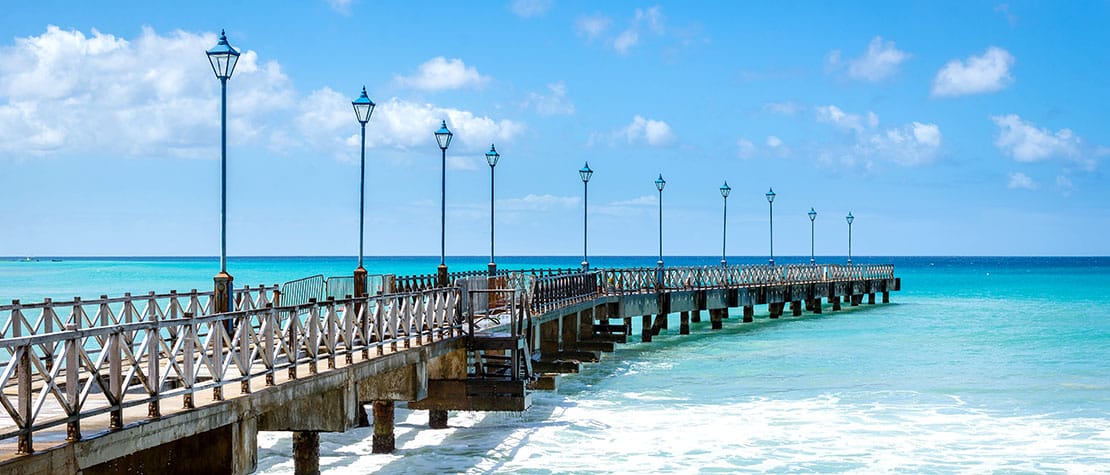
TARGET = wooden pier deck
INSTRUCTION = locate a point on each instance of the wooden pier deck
(158, 383)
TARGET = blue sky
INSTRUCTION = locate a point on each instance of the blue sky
(946, 128)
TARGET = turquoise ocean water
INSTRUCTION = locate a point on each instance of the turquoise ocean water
(980, 364)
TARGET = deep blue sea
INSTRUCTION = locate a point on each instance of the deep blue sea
(979, 364)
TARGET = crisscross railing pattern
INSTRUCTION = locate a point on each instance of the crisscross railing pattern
(72, 373)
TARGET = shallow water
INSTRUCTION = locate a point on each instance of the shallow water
(978, 365)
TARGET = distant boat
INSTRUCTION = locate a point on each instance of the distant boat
(55, 260)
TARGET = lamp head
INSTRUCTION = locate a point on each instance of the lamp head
(223, 58)
(725, 190)
(660, 183)
(812, 214)
(363, 107)
(770, 195)
(492, 156)
(443, 136)
(850, 218)
(585, 173)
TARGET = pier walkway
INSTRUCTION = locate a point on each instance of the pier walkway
(159, 383)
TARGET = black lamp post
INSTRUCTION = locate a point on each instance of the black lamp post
(223, 58)
(585, 173)
(363, 108)
(659, 184)
(771, 213)
(850, 218)
(443, 138)
(812, 217)
(725, 190)
(491, 158)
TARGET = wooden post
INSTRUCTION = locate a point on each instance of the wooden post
(771, 310)
(749, 313)
(816, 306)
(684, 323)
(886, 296)
(715, 319)
(306, 453)
(383, 440)
(695, 317)
(835, 303)
(73, 426)
(871, 298)
(659, 323)
(796, 308)
(646, 331)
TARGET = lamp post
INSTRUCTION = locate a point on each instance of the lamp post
(771, 213)
(812, 216)
(223, 57)
(363, 108)
(725, 190)
(491, 158)
(443, 138)
(659, 184)
(585, 173)
(850, 218)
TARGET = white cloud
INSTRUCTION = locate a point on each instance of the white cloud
(626, 40)
(879, 62)
(1021, 181)
(1026, 143)
(745, 148)
(592, 27)
(912, 144)
(774, 142)
(831, 114)
(462, 163)
(530, 8)
(341, 6)
(989, 72)
(782, 108)
(439, 73)
(909, 145)
(556, 103)
(155, 96)
(652, 17)
(654, 133)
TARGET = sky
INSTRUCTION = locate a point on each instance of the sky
(945, 128)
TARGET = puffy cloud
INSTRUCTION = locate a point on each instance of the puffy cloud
(909, 145)
(1026, 143)
(879, 62)
(439, 73)
(655, 133)
(592, 27)
(1021, 181)
(154, 96)
(626, 40)
(556, 103)
(912, 144)
(774, 142)
(989, 72)
(530, 8)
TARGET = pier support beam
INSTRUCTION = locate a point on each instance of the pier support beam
(437, 419)
(816, 306)
(871, 298)
(886, 297)
(383, 441)
(856, 299)
(835, 303)
(695, 317)
(715, 319)
(659, 324)
(684, 323)
(749, 313)
(570, 331)
(628, 326)
(774, 310)
(306, 453)
(796, 308)
(646, 331)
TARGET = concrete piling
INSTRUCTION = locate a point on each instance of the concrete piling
(835, 303)
(437, 419)
(695, 317)
(886, 296)
(749, 313)
(796, 308)
(646, 331)
(816, 306)
(715, 319)
(684, 323)
(871, 298)
(383, 441)
(306, 453)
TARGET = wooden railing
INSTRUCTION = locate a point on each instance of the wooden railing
(65, 375)
(654, 279)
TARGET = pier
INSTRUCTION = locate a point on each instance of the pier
(165, 383)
